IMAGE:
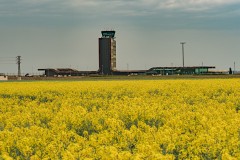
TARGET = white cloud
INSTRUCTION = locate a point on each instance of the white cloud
(103, 7)
(148, 7)
(195, 5)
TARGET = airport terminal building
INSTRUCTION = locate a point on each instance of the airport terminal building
(107, 63)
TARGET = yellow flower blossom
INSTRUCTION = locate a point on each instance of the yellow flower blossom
(125, 120)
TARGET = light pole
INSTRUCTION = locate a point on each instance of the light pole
(234, 67)
(182, 43)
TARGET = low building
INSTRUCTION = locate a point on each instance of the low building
(195, 70)
(51, 72)
(129, 72)
(3, 78)
(179, 70)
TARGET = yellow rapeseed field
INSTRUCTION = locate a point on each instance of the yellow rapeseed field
(142, 119)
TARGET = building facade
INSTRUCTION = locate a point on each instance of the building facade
(194, 70)
(3, 78)
(107, 53)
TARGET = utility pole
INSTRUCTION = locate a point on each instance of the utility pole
(19, 66)
(234, 67)
(182, 43)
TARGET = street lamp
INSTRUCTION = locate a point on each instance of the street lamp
(182, 43)
(234, 67)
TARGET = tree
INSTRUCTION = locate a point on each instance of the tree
(230, 71)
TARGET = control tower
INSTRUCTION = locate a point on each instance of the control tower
(107, 53)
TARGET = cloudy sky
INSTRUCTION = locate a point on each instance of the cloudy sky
(64, 33)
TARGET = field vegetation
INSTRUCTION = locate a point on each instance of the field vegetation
(144, 119)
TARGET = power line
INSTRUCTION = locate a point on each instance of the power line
(7, 60)
(6, 63)
(6, 57)
(12, 60)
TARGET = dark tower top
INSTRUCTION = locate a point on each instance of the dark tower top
(108, 34)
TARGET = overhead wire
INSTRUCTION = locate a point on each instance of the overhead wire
(8, 60)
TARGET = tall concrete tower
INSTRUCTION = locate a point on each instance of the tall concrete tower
(107, 53)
